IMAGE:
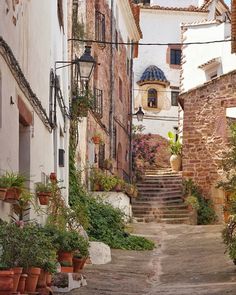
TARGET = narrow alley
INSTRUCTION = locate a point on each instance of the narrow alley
(188, 260)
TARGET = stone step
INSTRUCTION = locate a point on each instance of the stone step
(184, 220)
(160, 194)
(159, 202)
(160, 182)
(160, 198)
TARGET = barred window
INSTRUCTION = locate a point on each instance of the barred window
(98, 102)
(174, 98)
(114, 142)
(101, 155)
(100, 27)
(152, 98)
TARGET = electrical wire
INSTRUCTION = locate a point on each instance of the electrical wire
(149, 44)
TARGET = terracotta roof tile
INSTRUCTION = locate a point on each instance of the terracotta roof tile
(187, 9)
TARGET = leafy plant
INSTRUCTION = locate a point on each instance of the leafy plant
(66, 263)
(205, 211)
(229, 238)
(12, 179)
(43, 188)
(175, 145)
(192, 201)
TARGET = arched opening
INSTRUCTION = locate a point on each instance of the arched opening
(152, 98)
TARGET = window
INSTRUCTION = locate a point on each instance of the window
(101, 155)
(152, 98)
(114, 142)
(98, 103)
(61, 156)
(120, 89)
(128, 66)
(175, 56)
(116, 40)
(100, 27)
(174, 98)
(60, 13)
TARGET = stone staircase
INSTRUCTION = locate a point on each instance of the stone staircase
(160, 198)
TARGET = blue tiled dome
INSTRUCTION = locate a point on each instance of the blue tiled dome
(152, 74)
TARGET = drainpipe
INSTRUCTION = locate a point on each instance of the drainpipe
(111, 112)
(131, 116)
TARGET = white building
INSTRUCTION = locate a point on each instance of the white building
(161, 23)
(33, 123)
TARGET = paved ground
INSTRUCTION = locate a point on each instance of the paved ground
(187, 260)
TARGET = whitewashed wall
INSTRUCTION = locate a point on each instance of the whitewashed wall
(37, 42)
(161, 27)
(195, 55)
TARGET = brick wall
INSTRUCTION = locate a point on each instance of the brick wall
(205, 133)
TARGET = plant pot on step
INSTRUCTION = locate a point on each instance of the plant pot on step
(65, 257)
(32, 279)
(175, 162)
(6, 282)
(78, 263)
(21, 285)
(12, 195)
(67, 269)
(3, 192)
(42, 281)
(16, 278)
(43, 197)
(48, 279)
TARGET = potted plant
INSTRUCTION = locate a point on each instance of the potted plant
(48, 268)
(43, 192)
(11, 186)
(81, 255)
(107, 164)
(96, 139)
(176, 151)
(6, 279)
(95, 179)
(120, 185)
(66, 266)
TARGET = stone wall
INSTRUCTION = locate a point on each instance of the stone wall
(205, 134)
(103, 80)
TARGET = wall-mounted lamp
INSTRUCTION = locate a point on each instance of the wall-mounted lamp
(139, 114)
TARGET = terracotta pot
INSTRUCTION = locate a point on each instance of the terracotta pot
(175, 162)
(12, 195)
(53, 177)
(65, 256)
(16, 278)
(3, 192)
(44, 198)
(96, 139)
(32, 279)
(67, 269)
(97, 187)
(78, 263)
(21, 285)
(42, 281)
(6, 282)
(118, 188)
(48, 279)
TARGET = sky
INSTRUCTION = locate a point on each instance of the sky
(228, 2)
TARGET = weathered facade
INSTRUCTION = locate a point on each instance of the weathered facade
(205, 135)
(109, 21)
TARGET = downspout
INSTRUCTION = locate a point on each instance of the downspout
(111, 113)
(131, 116)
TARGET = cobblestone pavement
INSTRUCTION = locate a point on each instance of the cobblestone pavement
(187, 260)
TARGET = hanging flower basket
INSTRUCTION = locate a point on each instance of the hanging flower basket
(3, 192)
(12, 195)
(96, 139)
(44, 197)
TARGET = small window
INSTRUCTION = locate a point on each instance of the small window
(114, 142)
(100, 27)
(175, 56)
(152, 98)
(60, 13)
(128, 66)
(213, 75)
(61, 158)
(174, 98)
(116, 40)
(101, 155)
(120, 89)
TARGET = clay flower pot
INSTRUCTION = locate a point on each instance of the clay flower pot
(12, 195)
(6, 281)
(78, 263)
(16, 278)
(42, 281)
(43, 197)
(65, 257)
(21, 285)
(67, 269)
(175, 162)
(53, 177)
(48, 279)
(3, 192)
(96, 139)
(32, 279)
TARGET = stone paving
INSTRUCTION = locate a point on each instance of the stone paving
(188, 260)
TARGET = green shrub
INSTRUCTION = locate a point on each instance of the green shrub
(205, 211)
